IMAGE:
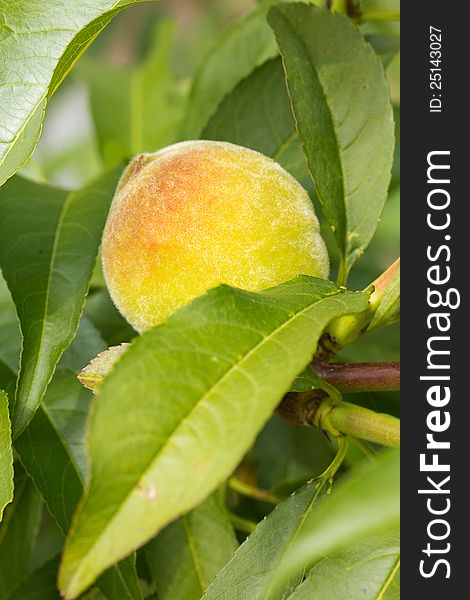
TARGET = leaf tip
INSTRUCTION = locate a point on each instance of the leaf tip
(93, 374)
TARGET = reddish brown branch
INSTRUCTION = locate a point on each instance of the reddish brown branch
(360, 377)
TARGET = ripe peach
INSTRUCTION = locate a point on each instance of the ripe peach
(201, 213)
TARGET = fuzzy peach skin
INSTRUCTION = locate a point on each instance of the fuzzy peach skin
(201, 213)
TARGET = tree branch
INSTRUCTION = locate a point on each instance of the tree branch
(360, 377)
(316, 408)
(360, 422)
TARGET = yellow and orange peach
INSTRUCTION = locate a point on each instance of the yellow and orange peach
(198, 214)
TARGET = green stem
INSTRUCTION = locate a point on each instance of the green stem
(377, 14)
(329, 473)
(242, 524)
(359, 422)
(330, 414)
(343, 271)
(351, 8)
(335, 464)
(250, 491)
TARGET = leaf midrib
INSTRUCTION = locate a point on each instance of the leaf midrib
(194, 554)
(389, 579)
(202, 400)
(11, 144)
(284, 144)
(295, 533)
(52, 261)
(332, 120)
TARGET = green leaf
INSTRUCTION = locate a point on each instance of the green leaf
(66, 409)
(108, 90)
(6, 455)
(385, 299)
(240, 48)
(213, 374)
(49, 240)
(157, 99)
(52, 452)
(7, 378)
(257, 114)
(92, 375)
(395, 183)
(382, 345)
(100, 309)
(365, 502)
(137, 110)
(39, 585)
(309, 380)
(120, 582)
(385, 45)
(368, 570)
(85, 345)
(341, 103)
(18, 532)
(305, 452)
(51, 447)
(41, 41)
(187, 555)
(10, 337)
(250, 572)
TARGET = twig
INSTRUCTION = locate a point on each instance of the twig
(360, 377)
(245, 489)
(242, 524)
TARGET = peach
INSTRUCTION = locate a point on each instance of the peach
(201, 213)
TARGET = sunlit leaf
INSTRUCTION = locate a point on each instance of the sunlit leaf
(6, 455)
(93, 374)
(10, 336)
(41, 41)
(213, 374)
